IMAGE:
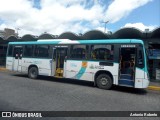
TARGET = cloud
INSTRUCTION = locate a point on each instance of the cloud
(53, 16)
(140, 26)
(120, 8)
(58, 16)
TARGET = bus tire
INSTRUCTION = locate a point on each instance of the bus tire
(33, 72)
(104, 81)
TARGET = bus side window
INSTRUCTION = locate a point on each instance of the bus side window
(42, 51)
(28, 52)
(93, 54)
(140, 57)
(21, 53)
(79, 51)
(16, 53)
(10, 50)
(102, 52)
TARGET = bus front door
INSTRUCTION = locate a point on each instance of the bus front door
(127, 67)
(17, 60)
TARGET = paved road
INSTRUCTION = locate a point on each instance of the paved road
(18, 92)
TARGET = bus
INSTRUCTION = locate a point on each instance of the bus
(105, 62)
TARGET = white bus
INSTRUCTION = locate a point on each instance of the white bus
(105, 62)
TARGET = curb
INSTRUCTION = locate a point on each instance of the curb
(3, 69)
(154, 88)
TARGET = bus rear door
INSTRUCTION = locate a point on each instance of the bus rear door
(17, 59)
(58, 60)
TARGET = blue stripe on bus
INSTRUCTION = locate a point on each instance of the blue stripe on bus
(124, 76)
(80, 73)
(126, 82)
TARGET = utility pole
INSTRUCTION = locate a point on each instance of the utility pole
(105, 26)
(17, 30)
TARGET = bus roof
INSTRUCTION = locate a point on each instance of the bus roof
(67, 41)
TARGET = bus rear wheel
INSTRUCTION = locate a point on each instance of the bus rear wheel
(33, 72)
(104, 81)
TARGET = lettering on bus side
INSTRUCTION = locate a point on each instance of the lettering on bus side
(9, 61)
(96, 66)
(128, 46)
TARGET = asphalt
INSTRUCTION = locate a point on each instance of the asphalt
(154, 84)
(19, 93)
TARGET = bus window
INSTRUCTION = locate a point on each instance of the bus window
(102, 52)
(79, 51)
(17, 52)
(10, 51)
(140, 59)
(41, 51)
(28, 51)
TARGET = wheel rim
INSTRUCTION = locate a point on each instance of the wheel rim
(104, 81)
(33, 73)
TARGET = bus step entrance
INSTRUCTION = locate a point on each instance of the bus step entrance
(59, 72)
(126, 80)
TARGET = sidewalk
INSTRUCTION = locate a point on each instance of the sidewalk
(2, 68)
(154, 84)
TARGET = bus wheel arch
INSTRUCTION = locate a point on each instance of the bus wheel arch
(33, 71)
(103, 79)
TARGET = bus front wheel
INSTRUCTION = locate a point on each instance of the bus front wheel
(104, 81)
(33, 72)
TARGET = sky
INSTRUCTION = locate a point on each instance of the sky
(78, 16)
